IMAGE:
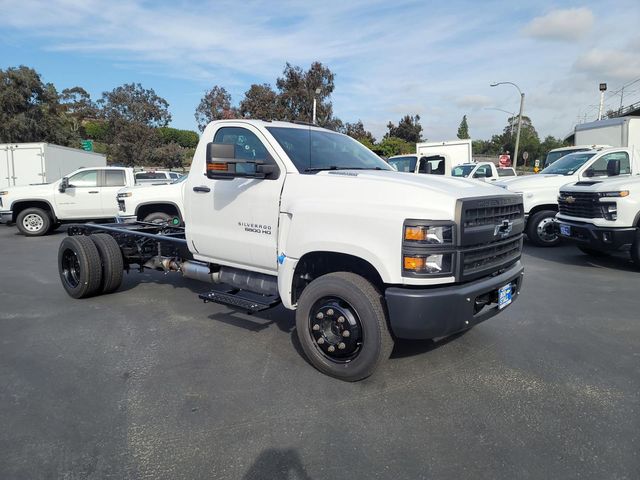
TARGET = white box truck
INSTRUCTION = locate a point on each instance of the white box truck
(616, 132)
(436, 158)
(29, 163)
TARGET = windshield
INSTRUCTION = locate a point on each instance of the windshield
(315, 150)
(553, 156)
(404, 164)
(568, 164)
(462, 170)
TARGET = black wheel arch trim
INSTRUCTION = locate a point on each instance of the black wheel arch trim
(16, 211)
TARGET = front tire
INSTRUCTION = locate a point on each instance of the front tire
(342, 326)
(540, 229)
(34, 222)
(79, 266)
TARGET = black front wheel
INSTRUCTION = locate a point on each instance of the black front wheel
(540, 229)
(342, 326)
(79, 266)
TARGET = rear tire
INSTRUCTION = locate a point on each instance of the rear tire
(158, 217)
(79, 266)
(592, 252)
(33, 222)
(342, 326)
(111, 259)
(540, 229)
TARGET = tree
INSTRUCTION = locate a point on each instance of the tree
(463, 129)
(297, 90)
(215, 105)
(549, 143)
(408, 129)
(132, 143)
(356, 130)
(169, 156)
(529, 140)
(30, 110)
(261, 102)
(184, 138)
(390, 146)
(132, 103)
(77, 103)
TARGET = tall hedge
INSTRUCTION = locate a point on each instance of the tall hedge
(184, 138)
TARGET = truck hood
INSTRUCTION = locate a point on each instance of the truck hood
(374, 194)
(611, 184)
(535, 182)
(29, 191)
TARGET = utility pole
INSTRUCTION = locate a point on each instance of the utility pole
(515, 153)
(314, 105)
(603, 88)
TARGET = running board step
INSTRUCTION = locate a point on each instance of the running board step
(252, 302)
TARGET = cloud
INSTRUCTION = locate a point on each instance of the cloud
(474, 102)
(564, 25)
(609, 64)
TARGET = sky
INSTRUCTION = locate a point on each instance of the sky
(435, 59)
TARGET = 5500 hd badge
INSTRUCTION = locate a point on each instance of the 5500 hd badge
(255, 228)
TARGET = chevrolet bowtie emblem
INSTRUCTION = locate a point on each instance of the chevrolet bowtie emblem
(570, 199)
(503, 229)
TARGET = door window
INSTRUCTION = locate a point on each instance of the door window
(599, 167)
(247, 146)
(114, 178)
(484, 171)
(87, 178)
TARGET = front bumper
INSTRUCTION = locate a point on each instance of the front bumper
(437, 312)
(598, 238)
(6, 216)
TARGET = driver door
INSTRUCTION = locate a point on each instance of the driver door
(235, 222)
(82, 197)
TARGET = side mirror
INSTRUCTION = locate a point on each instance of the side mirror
(428, 168)
(222, 164)
(613, 168)
(64, 184)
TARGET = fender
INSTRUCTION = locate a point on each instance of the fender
(40, 200)
(173, 204)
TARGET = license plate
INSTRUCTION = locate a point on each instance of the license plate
(504, 296)
(565, 230)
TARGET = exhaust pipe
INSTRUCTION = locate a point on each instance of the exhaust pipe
(235, 277)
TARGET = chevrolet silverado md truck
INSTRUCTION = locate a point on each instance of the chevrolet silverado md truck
(294, 214)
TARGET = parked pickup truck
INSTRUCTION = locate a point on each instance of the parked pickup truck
(156, 176)
(601, 216)
(152, 203)
(278, 212)
(540, 192)
(86, 194)
(485, 171)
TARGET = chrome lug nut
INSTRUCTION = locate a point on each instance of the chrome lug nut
(340, 319)
(330, 312)
(341, 346)
(316, 327)
(346, 333)
(320, 341)
(331, 348)
(320, 316)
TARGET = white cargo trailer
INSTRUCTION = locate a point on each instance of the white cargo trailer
(29, 163)
(616, 132)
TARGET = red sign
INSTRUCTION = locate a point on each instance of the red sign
(504, 160)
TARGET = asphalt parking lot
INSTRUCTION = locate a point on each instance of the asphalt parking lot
(151, 383)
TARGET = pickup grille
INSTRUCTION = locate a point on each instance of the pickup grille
(579, 204)
(493, 215)
(490, 257)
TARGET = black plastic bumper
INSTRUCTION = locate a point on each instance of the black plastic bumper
(598, 238)
(437, 312)
(6, 217)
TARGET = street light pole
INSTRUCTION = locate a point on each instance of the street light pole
(512, 115)
(515, 153)
(314, 106)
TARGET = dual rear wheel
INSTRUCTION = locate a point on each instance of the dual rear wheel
(90, 265)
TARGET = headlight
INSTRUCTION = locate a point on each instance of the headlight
(609, 210)
(125, 194)
(429, 234)
(621, 193)
(436, 263)
(4, 193)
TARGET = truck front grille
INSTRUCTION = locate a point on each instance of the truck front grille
(579, 204)
(478, 260)
(491, 215)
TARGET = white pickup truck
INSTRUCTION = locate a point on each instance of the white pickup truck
(283, 213)
(86, 194)
(601, 216)
(484, 171)
(152, 203)
(540, 192)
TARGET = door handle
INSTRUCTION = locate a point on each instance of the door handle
(201, 189)
(94, 191)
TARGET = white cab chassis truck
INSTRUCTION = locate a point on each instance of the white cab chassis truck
(602, 216)
(294, 214)
(30, 163)
(436, 158)
(86, 194)
(540, 192)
